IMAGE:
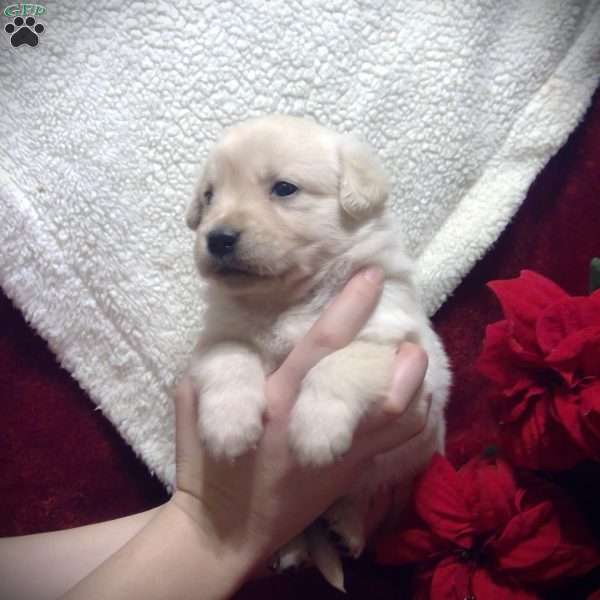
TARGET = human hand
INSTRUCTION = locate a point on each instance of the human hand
(261, 500)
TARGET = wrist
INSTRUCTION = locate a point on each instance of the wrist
(175, 555)
(236, 549)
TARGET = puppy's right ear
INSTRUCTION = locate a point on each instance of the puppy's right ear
(193, 216)
(194, 211)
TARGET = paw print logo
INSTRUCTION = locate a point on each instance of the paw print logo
(24, 31)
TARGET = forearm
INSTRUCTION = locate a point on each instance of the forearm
(44, 566)
(171, 557)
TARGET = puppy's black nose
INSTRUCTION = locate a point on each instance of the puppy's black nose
(222, 241)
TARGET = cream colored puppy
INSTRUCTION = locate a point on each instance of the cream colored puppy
(285, 212)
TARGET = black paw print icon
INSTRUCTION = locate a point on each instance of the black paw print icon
(24, 31)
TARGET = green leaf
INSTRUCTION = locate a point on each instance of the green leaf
(594, 274)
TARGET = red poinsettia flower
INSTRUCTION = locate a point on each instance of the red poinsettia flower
(545, 359)
(481, 535)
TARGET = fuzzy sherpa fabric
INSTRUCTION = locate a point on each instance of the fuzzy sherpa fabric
(105, 120)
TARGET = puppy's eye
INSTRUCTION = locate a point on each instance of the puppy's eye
(283, 188)
(208, 195)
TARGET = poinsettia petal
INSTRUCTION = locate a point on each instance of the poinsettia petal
(561, 319)
(520, 544)
(502, 362)
(578, 355)
(411, 545)
(451, 580)
(495, 360)
(485, 585)
(590, 418)
(537, 546)
(523, 299)
(565, 407)
(489, 488)
(438, 500)
(454, 580)
(538, 441)
(421, 585)
(524, 356)
(513, 411)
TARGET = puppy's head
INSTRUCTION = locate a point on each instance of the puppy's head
(280, 198)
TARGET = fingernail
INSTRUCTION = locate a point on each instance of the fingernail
(410, 368)
(407, 349)
(374, 274)
(411, 353)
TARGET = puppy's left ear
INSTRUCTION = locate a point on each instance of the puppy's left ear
(364, 184)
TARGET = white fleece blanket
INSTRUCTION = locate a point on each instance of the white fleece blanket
(103, 123)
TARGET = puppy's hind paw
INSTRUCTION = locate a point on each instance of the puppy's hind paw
(345, 529)
(319, 436)
(292, 556)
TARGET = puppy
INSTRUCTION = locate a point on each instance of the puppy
(285, 212)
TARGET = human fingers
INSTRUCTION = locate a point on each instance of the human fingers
(187, 441)
(401, 430)
(405, 412)
(336, 327)
(409, 371)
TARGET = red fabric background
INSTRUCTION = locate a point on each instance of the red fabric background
(62, 464)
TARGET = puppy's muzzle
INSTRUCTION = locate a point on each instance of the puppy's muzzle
(221, 242)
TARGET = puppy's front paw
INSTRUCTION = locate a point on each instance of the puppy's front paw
(320, 432)
(228, 431)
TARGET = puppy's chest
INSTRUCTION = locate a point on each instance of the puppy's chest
(271, 334)
(275, 339)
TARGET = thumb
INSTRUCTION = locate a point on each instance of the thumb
(187, 439)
